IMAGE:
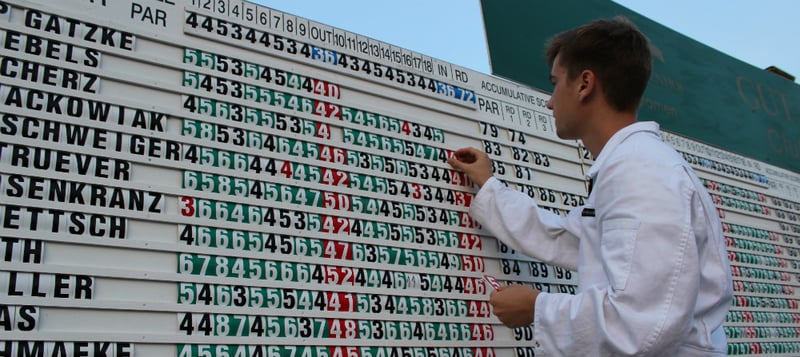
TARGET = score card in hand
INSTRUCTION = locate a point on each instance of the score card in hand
(492, 281)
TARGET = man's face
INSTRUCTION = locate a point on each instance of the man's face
(564, 102)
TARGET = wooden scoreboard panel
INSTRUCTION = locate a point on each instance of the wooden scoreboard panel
(198, 178)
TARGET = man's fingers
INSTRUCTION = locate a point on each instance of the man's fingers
(454, 162)
(461, 157)
(466, 156)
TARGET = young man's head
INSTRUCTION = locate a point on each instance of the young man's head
(614, 51)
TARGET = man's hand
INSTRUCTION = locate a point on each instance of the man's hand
(474, 163)
(514, 305)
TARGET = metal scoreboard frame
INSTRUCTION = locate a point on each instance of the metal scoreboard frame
(198, 178)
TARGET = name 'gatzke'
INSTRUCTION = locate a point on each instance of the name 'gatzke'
(74, 28)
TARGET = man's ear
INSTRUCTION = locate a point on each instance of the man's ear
(586, 84)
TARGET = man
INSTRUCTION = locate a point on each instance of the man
(653, 274)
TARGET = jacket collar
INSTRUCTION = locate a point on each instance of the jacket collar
(618, 138)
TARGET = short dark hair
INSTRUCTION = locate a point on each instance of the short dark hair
(615, 50)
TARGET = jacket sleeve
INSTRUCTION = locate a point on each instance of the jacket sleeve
(514, 218)
(648, 251)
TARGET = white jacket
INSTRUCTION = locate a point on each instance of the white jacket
(653, 273)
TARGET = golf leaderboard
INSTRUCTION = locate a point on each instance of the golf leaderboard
(219, 178)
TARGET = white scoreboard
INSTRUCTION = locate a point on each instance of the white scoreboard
(218, 178)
